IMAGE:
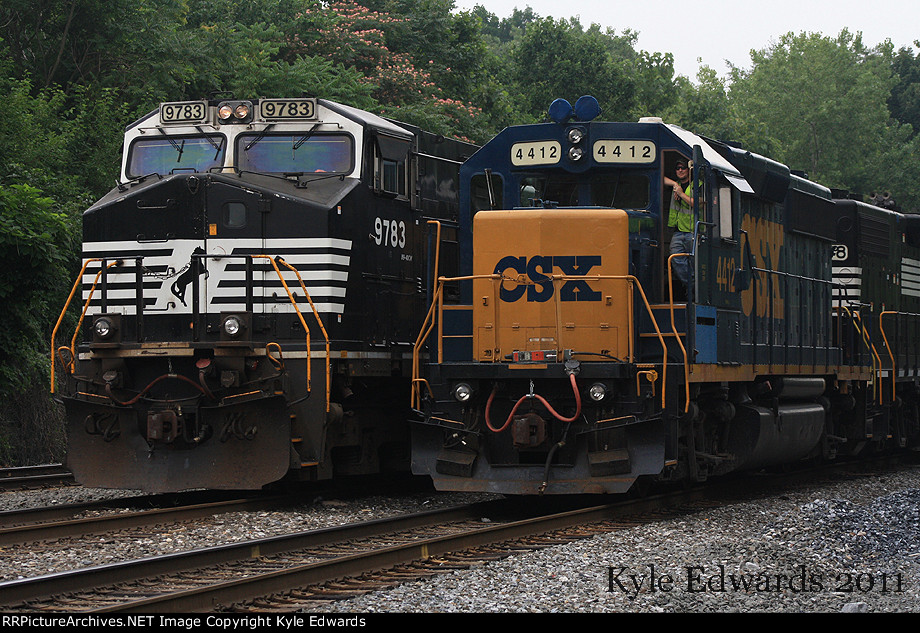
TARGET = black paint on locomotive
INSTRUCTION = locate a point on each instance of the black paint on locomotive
(209, 376)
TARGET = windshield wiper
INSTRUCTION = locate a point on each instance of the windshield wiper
(259, 137)
(296, 145)
(216, 145)
(172, 141)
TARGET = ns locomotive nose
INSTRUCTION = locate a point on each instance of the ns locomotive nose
(250, 294)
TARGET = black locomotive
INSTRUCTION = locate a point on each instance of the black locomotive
(566, 359)
(252, 290)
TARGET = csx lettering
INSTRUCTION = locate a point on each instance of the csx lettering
(765, 241)
(538, 271)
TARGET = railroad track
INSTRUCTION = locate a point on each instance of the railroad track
(308, 569)
(259, 575)
(30, 477)
(57, 522)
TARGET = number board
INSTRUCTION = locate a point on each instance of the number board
(614, 151)
(536, 153)
(287, 109)
(183, 112)
(840, 252)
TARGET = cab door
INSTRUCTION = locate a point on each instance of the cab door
(720, 272)
(234, 231)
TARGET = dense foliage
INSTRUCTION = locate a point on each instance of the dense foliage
(74, 73)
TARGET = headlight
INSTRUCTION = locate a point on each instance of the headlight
(234, 112)
(576, 135)
(233, 326)
(104, 328)
(462, 392)
(575, 153)
(597, 391)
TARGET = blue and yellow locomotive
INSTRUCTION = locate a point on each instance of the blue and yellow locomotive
(566, 358)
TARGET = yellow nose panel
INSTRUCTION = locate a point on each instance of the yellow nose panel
(563, 284)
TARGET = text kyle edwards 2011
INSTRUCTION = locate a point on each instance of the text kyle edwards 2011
(716, 579)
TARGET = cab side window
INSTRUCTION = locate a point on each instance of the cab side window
(391, 173)
(486, 194)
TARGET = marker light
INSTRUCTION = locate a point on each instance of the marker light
(587, 108)
(233, 326)
(576, 135)
(597, 392)
(104, 328)
(462, 392)
(561, 111)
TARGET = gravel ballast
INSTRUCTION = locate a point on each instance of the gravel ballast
(852, 546)
(847, 547)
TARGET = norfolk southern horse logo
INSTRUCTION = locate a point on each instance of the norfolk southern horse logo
(538, 270)
(194, 268)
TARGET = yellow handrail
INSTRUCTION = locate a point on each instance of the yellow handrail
(877, 361)
(427, 326)
(73, 343)
(274, 261)
(890, 354)
(683, 350)
(876, 368)
(437, 308)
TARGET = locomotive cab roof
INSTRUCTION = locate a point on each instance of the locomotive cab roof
(209, 133)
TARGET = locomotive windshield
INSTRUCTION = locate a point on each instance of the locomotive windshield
(168, 154)
(620, 190)
(295, 153)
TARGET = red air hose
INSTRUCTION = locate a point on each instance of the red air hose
(542, 400)
(108, 389)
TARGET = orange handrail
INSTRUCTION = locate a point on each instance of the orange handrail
(73, 342)
(436, 308)
(274, 262)
(890, 353)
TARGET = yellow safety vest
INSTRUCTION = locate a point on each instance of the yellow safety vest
(681, 215)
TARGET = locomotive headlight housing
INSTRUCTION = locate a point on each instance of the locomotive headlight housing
(241, 111)
(234, 112)
(597, 391)
(462, 392)
(105, 328)
(234, 326)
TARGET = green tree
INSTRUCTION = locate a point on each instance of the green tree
(115, 42)
(818, 104)
(37, 243)
(405, 87)
(702, 107)
(904, 101)
(560, 59)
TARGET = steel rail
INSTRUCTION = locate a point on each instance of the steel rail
(31, 589)
(36, 526)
